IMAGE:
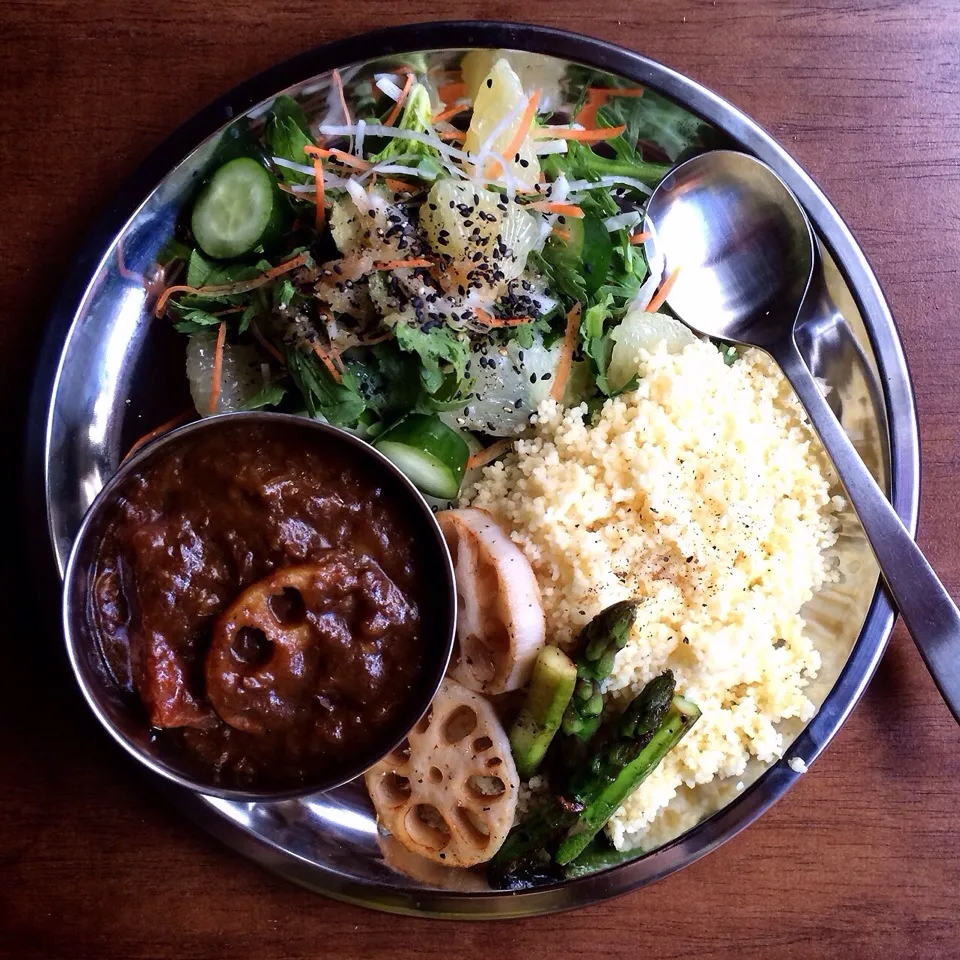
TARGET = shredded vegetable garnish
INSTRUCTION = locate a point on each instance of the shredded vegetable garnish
(217, 373)
(641, 237)
(402, 264)
(622, 221)
(580, 134)
(165, 427)
(338, 83)
(318, 179)
(516, 141)
(451, 92)
(597, 97)
(327, 361)
(489, 320)
(228, 289)
(661, 296)
(565, 364)
(348, 159)
(552, 206)
(404, 93)
(488, 454)
(449, 112)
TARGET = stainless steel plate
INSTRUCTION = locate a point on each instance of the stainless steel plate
(107, 373)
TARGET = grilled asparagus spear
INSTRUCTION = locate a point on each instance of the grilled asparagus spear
(551, 686)
(594, 653)
(557, 833)
(635, 751)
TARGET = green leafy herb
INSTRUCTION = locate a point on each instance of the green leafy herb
(580, 162)
(246, 318)
(438, 349)
(338, 403)
(286, 134)
(195, 321)
(416, 116)
(269, 396)
(283, 292)
(198, 269)
(386, 379)
(657, 120)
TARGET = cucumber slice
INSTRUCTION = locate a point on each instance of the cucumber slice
(235, 209)
(551, 687)
(429, 452)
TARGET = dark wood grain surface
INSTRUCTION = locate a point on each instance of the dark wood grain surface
(862, 859)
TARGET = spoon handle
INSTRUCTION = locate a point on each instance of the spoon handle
(930, 615)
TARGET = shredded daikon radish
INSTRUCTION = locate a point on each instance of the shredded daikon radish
(379, 130)
(546, 147)
(386, 84)
(623, 220)
(360, 196)
(290, 165)
(361, 132)
(609, 181)
(656, 264)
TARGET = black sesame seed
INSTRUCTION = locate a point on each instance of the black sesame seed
(546, 376)
(518, 403)
(489, 82)
(523, 163)
(533, 378)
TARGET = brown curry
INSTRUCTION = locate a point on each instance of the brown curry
(261, 595)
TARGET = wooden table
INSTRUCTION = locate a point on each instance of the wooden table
(862, 859)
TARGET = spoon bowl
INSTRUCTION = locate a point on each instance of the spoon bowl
(739, 243)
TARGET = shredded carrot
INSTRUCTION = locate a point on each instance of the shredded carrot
(267, 345)
(562, 234)
(565, 363)
(636, 238)
(489, 320)
(597, 97)
(583, 136)
(553, 206)
(402, 264)
(398, 185)
(458, 135)
(347, 159)
(157, 432)
(661, 295)
(488, 454)
(449, 112)
(451, 92)
(327, 362)
(217, 368)
(526, 120)
(398, 106)
(244, 286)
(318, 179)
(338, 83)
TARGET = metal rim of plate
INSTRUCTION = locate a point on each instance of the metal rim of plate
(881, 329)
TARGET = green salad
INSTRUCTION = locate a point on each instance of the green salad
(427, 266)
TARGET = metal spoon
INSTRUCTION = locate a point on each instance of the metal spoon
(746, 259)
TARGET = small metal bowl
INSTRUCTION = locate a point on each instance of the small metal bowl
(122, 714)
